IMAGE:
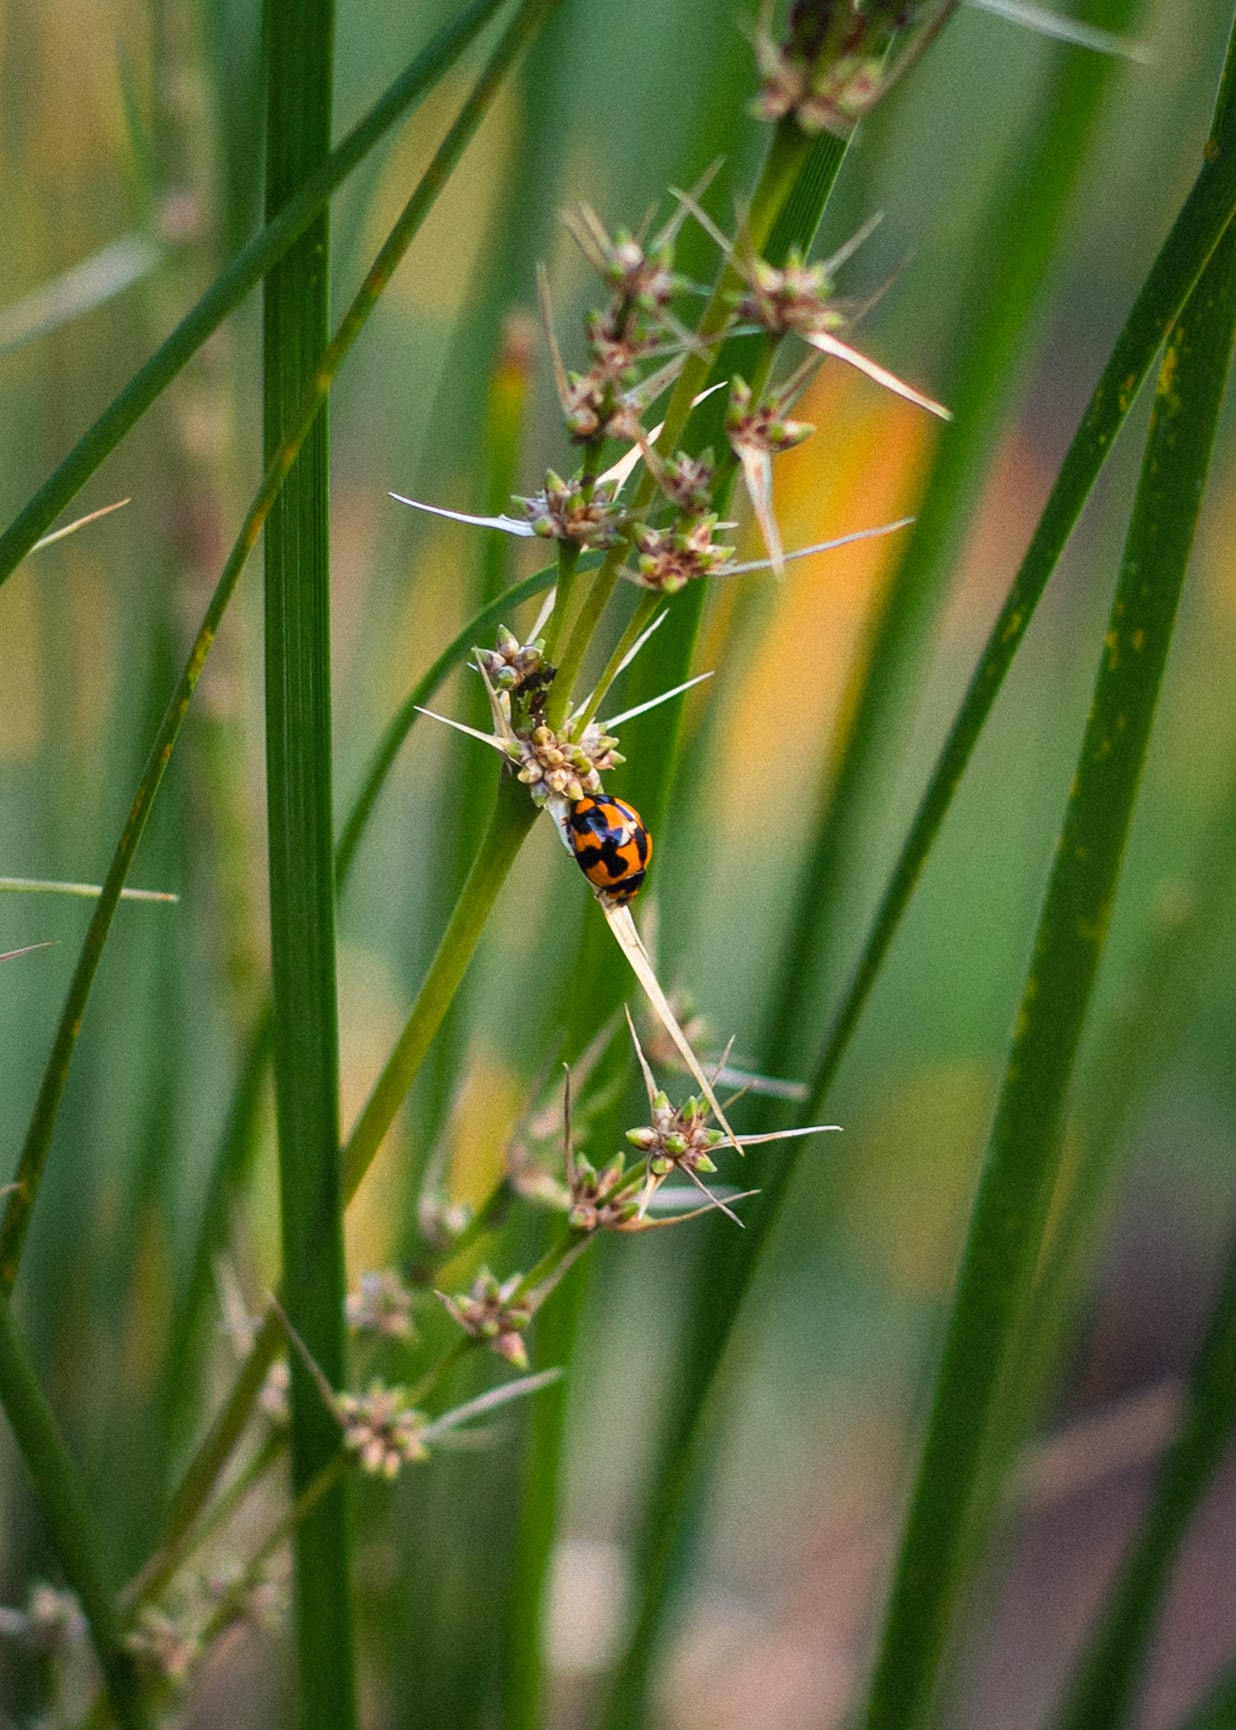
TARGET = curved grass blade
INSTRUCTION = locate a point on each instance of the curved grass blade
(1010, 1210)
(67, 1511)
(233, 284)
(728, 1260)
(238, 1140)
(1105, 1691)
(1217, 1710)
(1015, 242)
(15, 1222)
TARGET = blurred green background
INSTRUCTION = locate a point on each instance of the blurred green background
(126, 119)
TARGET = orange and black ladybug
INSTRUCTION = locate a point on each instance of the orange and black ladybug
(611, 846)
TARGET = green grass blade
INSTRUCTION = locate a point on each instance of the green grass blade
(513, 817)
(1012, 251)
(237, 1142)
(16, 1218)
(1217, 1709)
(234, 283)
(67, 1512)
(730, 1258)
(299, 39)
(1180, 261)
(1105, 1691)
(1006, 1227)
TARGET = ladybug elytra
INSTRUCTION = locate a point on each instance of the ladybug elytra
(611, 846)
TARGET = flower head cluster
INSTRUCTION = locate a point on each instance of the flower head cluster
(670, 557)
(795, 298)
(52, 1620)
(831, 66)
(633, 328)
(382, 1306)
(764, 425)
(165, 1645)
(555, 763)
(382, 1429)
(492, 1313)
(514, 666)
(575, 511)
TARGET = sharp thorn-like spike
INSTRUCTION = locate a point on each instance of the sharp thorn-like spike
(629, 941)
(827, 344)
(561, 382)
(462, 727)
(80, 523)
(705, 221)
(508, 525)
(654, 702)
(714, 1199)
(788, 1134)
(1071, 30)
(757, 474)
(817, 547)
(649, 1078)
(849, 247)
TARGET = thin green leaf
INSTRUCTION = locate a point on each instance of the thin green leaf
(67, 1511)
(730, 1260)
(299, 42)
(1118, 1651)
(230, 288)
(16, 1219)
(1007, 1224)
(1012, 249)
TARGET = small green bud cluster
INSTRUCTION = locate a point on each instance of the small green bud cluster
(575, 511)
(833, 63)
(795, 300)
(599, 1200)
(510, 664)
(491, 1313)
(554, 763)
(670, 557)
(677, 1136)
(764, 425)
(605, 402)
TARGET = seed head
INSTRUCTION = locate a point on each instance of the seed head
(164, 1645)
(763, 426)
(382, 1306)
(274, 1399)
(556, 763)
(382, 1429)
(491, 1313)
(832, 65)
(795, 298)
(569, 512)
(52, 1620)
(687, 481)
(670, 558)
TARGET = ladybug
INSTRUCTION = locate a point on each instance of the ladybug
(611, 846)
